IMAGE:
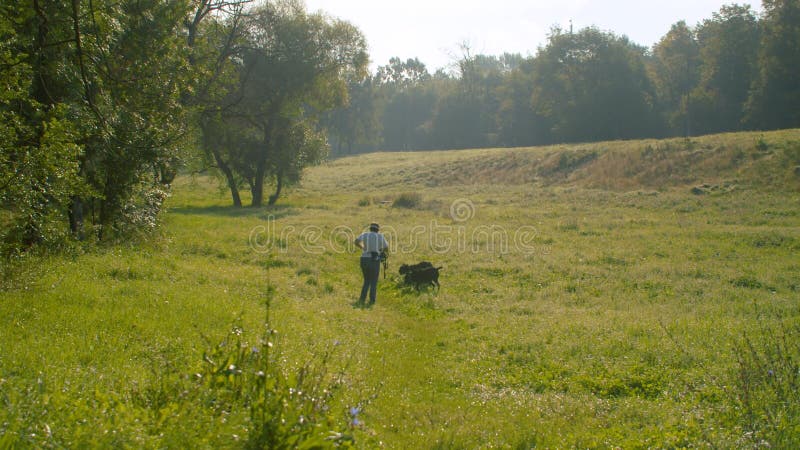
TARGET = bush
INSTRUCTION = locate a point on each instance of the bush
(285, 410)
(408, 200)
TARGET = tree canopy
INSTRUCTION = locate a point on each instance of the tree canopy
(103, 101)
(291, 67)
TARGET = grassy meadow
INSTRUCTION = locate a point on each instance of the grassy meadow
(636, 294)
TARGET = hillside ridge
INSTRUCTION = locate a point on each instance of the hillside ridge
(753, 158)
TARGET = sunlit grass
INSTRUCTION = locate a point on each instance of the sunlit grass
(615, 325)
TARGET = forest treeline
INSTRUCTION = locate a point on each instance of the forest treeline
(103, 102)
(734, 71)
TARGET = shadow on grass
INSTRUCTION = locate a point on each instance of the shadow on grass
(274, 212)
(407, 289)
(362, 305)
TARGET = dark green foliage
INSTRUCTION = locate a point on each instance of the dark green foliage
(358, 123)
(292, 67)
(604, 78)
(776, 89)
(676, 73)
(99, 100)
(38, 153)
(728, 44)
(92, 117)
(407, 104)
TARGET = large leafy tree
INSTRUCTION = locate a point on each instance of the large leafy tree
(728, 44)
(465, 114)
(94, 112)
(216, 37)
(776, 90)
(676, 62)
(133, 70)
(407, 101)
(38, 150)
(592, 85)
(358, 123)
(517, 122)
(294, 67)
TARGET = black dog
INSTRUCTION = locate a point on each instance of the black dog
(420, 274)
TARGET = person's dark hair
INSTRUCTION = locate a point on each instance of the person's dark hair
(374, 227)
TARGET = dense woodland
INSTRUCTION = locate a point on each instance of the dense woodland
(104, 102)
(734, 71)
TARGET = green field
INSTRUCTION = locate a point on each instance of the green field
(638, 294)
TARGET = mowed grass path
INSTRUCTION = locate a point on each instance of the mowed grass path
(569, 315)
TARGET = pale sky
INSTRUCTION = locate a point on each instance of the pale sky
(432, 30)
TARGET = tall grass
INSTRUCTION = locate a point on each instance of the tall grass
(768, 386)
(241, 394)
(618, 323)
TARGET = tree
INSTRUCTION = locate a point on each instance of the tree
(466, 112)
(592, 85)
(358, 123)
(38, 153)
(676, 73)
(517, 122)
(215, 37)
(228, 141)
(138, 114)
(775, 92)
(407, 103)
(402, 74)
(295, 67)
(728, 44)
(299, 145)
(97, 109)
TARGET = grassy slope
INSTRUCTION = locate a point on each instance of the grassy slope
(613, 326)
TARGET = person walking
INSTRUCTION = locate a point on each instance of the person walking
(373, 244)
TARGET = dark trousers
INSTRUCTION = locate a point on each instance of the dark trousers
(371, 268)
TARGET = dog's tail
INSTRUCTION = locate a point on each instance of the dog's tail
(439, 268)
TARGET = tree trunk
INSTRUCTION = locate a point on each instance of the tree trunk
(261, 169)
(226, 170)
(237, 200)
(279, 184)
(166, 174)
(257, 188)
(76, 217)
